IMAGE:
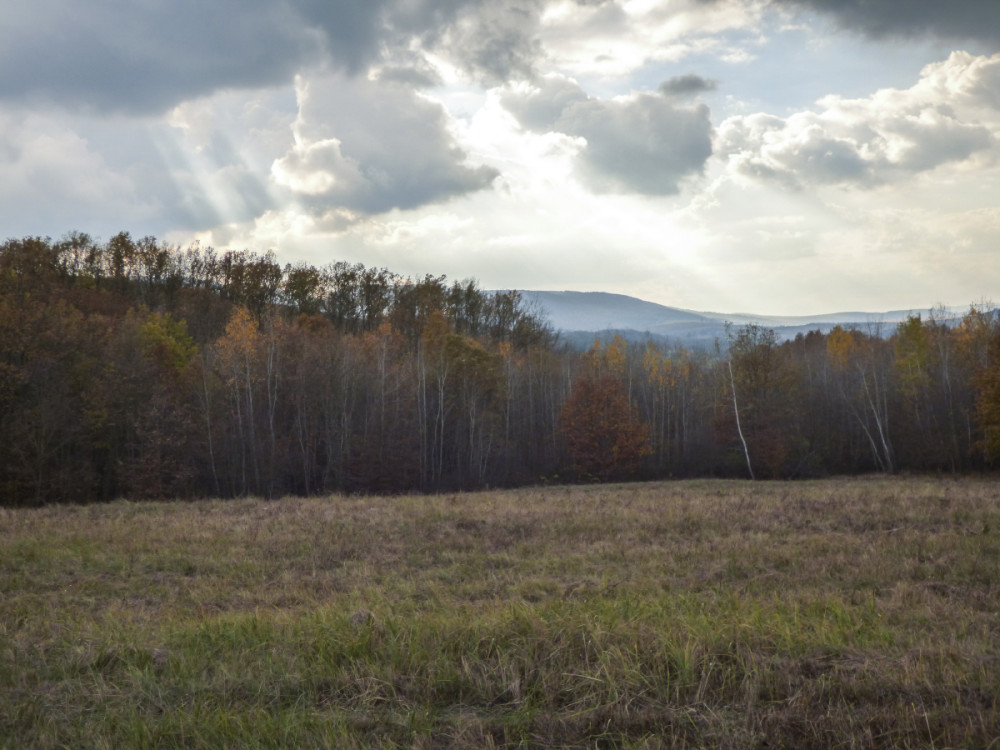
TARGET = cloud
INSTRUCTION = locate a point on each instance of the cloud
(969, 81)
(371, 146)
(50, 175)
(618, 38)
(888, 136)
(640, 143)
(492, 39)
(119, 55)
(955, 19)
(539, 106)
(123, 56)
(495, 40)
(687, 85)
(352, 31)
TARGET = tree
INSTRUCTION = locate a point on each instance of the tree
(238, 357)
(605, 436)
(860, 362)
(977, 340)
(987, 382)
(477, 392)
(761, 391)
(386, 436)
(303, 288)
(143, 407)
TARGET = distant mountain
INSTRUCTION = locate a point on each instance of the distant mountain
(579, 316)
(596, 311)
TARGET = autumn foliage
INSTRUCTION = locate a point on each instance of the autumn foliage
(133, 369)
(605, 437)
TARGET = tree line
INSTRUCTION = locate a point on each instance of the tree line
(133, 368)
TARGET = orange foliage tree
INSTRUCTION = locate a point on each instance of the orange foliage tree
(605, 437)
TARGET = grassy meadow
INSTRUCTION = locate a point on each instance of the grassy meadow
(842, 613)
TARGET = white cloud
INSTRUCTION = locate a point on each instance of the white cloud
(970, 81)
(614, 39)
(889, 136)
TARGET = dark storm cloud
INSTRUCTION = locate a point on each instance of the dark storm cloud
(126, 56)
(946, 19)
(643, 143)
(120, 55)
(352, 31)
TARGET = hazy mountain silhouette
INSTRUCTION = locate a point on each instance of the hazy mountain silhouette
(579, 316)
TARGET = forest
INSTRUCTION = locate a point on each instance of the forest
(131, 368)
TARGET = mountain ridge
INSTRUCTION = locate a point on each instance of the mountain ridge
(573, 313)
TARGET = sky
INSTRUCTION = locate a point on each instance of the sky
(782, 157)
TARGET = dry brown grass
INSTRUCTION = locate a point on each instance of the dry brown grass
(841, 613)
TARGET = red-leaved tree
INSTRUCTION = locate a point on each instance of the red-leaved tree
(605, 437)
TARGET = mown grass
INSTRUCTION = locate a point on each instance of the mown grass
(852, 613)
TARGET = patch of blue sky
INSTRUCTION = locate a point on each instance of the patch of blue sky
(786, 67)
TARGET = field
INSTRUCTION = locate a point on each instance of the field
(844, 613)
